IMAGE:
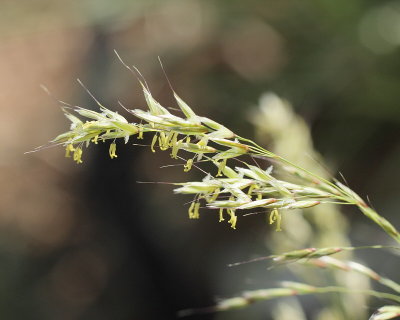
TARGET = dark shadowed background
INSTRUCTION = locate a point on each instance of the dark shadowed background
(88, 242)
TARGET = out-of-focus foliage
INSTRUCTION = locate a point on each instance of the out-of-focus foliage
(289, 136)
(88, 242)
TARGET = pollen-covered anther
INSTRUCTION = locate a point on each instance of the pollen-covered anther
(153, 142)
(188, 165)
(168, 139)
(163, 141)
(275, 216)
(175, 148)
(173, 140)
(221, 214)
(68, 149)
(140, 132)
(233, 218)
(196, 214)
(112, 150)
(78, 155)
(190, 211)
(194, 210)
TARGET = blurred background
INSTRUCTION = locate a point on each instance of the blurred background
(87, 241)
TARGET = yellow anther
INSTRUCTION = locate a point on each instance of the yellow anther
(221, 215)
(70, 148)
(173, 140)
(162, 142)
(140, 133)
(78, 155)
(188, 165)
(190, 211)
(95, 139)
(194, 210)
(275, 216)
(112, 150)
(168, 139)
(233, 218)
(196, 214)
(153, 142)
(175, 149)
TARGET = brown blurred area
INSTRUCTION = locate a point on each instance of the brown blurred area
(88, 242)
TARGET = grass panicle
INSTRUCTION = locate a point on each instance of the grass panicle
(252, 187)
(233, 189)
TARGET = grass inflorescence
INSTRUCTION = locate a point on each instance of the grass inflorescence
(232, 188)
